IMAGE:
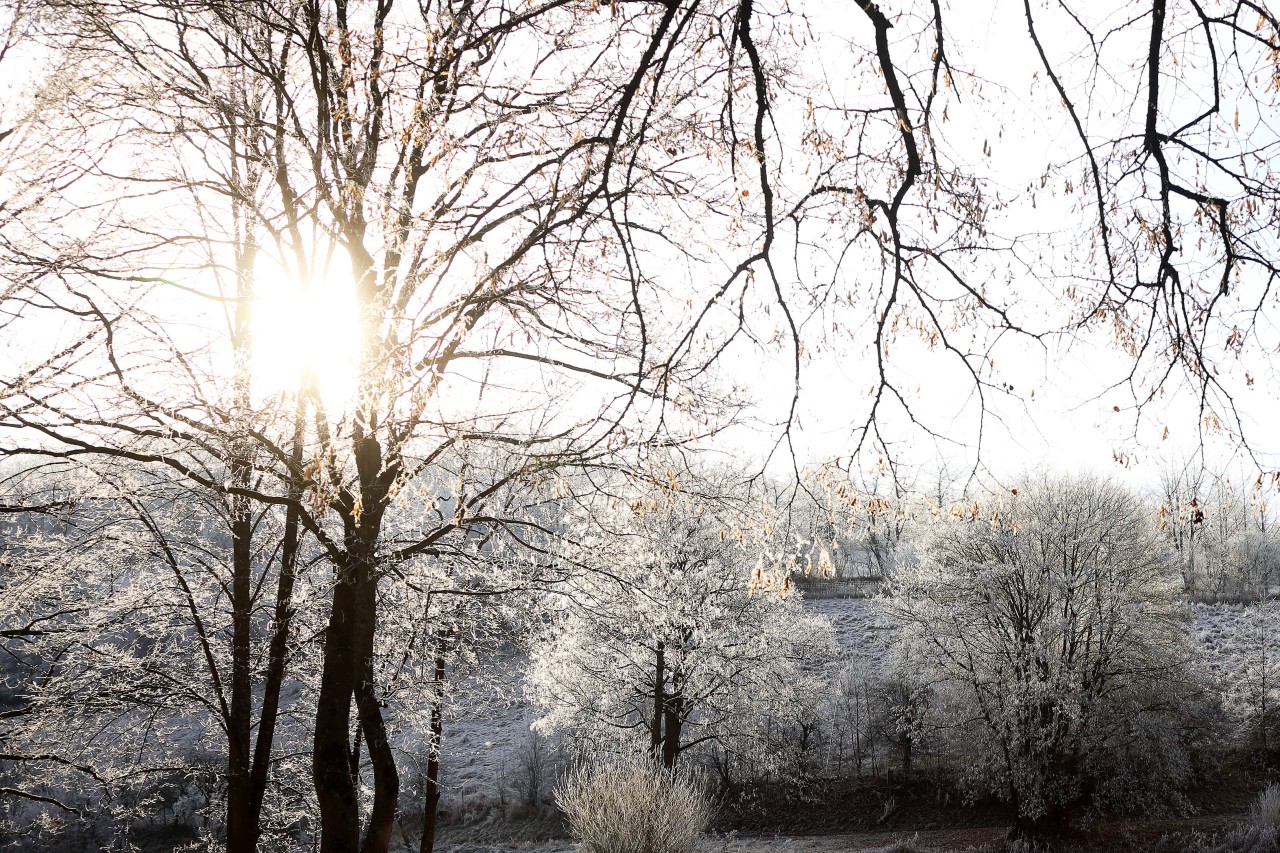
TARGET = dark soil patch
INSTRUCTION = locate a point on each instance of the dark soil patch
(1139, 836)
(845, 806)
(865, 815)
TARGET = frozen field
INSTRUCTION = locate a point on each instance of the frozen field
(857, 624)
(1239, 648)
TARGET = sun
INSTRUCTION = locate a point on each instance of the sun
(301, 330)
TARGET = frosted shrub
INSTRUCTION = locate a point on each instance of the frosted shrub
(1265, 811)
(631, 805)
(1259, 834)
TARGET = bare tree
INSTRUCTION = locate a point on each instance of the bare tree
(1185, 265)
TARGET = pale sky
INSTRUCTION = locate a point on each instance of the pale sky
(1071, 423)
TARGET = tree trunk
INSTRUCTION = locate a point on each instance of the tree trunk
(332, 771)
(659, 700)
(431, 799)
(278, 650)
(386, 780)
(673, 720)
(241, 828)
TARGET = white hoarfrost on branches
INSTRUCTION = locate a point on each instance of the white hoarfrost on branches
(116, 629)
(1054, 628)
(662, 639)
(1224, 535)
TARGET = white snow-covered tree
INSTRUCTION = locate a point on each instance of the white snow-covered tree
(665, 636)
(450, 627)
(1055, 626)
(117, 633)
(1223, 533)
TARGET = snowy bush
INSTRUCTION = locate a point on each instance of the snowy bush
(1260, 834)
(1055, 628)
(1265, 811)
(632, 805)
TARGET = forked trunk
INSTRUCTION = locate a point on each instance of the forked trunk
(386, 780)
(347, 675)
(332, 771)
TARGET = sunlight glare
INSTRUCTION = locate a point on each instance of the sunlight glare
(299, 329)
